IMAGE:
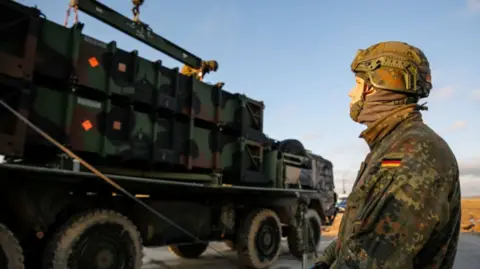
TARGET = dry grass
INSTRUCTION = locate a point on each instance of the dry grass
(470, 207)
(333, 230)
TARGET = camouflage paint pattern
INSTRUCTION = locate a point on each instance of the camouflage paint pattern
(395, 66)
(404, 208)
(109, 104)
(103, 69)
(108, 130)
(103, 101)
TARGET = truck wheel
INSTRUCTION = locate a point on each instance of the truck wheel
(11, 253)
(259, 239)
(295, 237)
(95, 239)
(188, 251)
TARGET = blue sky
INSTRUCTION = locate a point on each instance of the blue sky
(295, 56)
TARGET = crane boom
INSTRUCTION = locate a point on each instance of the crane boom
(139, 31)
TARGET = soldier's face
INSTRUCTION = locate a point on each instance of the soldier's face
(356, 92)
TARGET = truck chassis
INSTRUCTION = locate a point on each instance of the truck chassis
(53, 214)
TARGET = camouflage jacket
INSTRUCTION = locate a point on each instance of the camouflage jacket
(404, 208)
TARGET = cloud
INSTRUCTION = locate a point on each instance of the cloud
(470, 185)
(357, 147)
(476, 95)
(458, 125)
(444, 92)
(470, 167)
(310, 137)
(470, 176)
(473, 5)
(468, 10)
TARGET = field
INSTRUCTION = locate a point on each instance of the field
(470, 207)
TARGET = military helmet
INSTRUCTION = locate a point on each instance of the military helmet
(212, 65)
(395, 66)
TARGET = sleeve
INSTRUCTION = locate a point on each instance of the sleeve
(403, 205)
(184, 70)
(328, 255)
(188, 71)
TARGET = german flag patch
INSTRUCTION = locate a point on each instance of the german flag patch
(391, 162)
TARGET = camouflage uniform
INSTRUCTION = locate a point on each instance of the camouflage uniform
(404, 208)
(199, 73)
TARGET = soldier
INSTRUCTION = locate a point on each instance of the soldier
(404, 208)
(207, 67)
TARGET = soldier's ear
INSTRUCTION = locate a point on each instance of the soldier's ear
(368, 89)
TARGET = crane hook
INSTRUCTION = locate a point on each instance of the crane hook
(72, 4)
(136, 9)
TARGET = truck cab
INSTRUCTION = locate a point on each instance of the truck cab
(320, 178)
(310, 171)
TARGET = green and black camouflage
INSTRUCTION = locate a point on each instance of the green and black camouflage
(121, 133)
(404, 210)
(106, 70)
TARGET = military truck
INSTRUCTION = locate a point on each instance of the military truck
(106, 152)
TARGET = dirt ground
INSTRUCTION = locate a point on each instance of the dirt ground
(470, 207)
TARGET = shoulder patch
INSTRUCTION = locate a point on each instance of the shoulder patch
(389, 162)
(392, 160)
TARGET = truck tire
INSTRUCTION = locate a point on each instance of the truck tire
(259, 239)
(11, 253)
(295, 236)
(188, 251)
(95, 239)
